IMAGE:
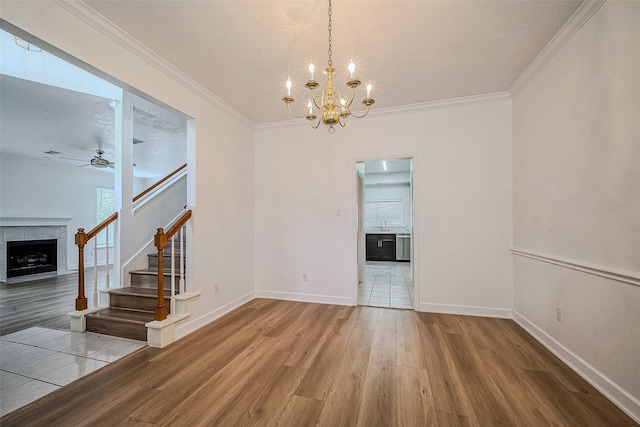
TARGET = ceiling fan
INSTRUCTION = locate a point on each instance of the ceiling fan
(96, 161)
(100, 162)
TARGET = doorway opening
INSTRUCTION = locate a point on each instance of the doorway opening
(385, 233)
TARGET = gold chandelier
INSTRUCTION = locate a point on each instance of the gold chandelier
(333, 108)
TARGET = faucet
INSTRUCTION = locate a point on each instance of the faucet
(385, 224)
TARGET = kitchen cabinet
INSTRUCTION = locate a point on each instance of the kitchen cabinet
(381, 247)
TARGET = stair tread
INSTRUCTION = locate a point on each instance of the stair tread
(139, 291)
(135, 290)
(153, 272)
(167, 254)
(123, 315)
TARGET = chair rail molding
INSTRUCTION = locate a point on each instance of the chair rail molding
(597, 270)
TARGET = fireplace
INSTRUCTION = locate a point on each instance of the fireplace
(31, 257)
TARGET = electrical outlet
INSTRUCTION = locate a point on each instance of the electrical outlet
(559, 314)
(305, 277)
(216, 289)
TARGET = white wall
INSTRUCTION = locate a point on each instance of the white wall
(138, 230)
(141, 184)
(462, 179)
(576, 172)
(31, 188)
(223, 171)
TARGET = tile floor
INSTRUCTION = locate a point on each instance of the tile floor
(387, 284)
(36, 361)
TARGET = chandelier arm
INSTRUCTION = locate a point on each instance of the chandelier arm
(294, 114)
(353, 96)
(357, 116)
(317, 124)
(315, 102)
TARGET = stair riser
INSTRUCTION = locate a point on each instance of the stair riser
(153, 261)
(150, 281)
(137, 331)
(136, 302)
(176, 245)
(117, 329)
(167, 250)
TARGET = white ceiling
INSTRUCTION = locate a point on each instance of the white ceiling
(52, 124)
(392, 166)
(37, 117)
(243, 51)
(411, 51)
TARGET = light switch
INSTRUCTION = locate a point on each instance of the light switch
(338, 212)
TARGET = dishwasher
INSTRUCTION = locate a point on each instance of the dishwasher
(403, 247)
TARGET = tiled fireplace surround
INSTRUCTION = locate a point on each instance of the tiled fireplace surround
(15, 229)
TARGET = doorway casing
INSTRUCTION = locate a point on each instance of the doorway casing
(358, 223)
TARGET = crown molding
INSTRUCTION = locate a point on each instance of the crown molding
(84, 12)
(404, 109)
(464, 101)
(577, 20)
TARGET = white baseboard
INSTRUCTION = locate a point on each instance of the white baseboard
(186, 328)
(466, 310)
(319, 299)
(621, 398)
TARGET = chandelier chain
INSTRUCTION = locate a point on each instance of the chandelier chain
(330, 37)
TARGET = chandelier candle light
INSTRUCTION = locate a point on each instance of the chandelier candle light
(330, 101)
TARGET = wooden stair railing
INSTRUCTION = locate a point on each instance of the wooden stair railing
(161, 239)
(81, 240)
(160, 182)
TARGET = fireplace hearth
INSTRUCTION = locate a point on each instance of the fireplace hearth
(31, 257)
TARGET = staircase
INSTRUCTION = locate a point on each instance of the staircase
(131, 307)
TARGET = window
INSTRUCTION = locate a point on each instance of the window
(389, 212)
(105, 206)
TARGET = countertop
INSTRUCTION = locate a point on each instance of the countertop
(386, 230)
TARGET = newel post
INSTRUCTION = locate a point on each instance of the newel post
(81, 240)
(160, 241)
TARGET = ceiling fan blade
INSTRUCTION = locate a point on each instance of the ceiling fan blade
(69, 158)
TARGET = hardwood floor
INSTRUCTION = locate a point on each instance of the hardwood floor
(296, 364)
(44, 302)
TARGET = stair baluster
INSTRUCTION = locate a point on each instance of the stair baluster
(95, 273)
(160, 241)
(81, 239)
(106, 260)
(173, 275)
(182, 281)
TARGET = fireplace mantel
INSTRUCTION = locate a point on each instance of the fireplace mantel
(32, 221)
